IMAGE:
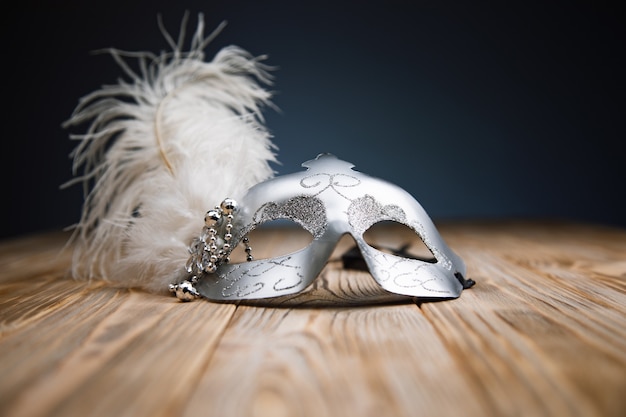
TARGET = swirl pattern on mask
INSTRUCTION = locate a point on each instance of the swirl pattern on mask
(330, 181)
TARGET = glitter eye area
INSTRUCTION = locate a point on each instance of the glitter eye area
(366, 211)
(398, 239)
(307, 211)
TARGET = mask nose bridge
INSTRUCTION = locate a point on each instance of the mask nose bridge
(350, 255)
(337, 232)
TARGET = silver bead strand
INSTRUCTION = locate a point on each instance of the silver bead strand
(206, 256)
(228, 236)
(248, 249)
(228, 207)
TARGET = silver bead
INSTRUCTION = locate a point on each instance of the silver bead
(228, 236)
(249, 258)
(229, 206)
(212, 218)
(185, 291)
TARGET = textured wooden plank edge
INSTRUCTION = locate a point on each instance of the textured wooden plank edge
(140, 359)
(34, 351)
(366, 361)
(76, 337)
(32, 256)
(545, 340)
(523, 341)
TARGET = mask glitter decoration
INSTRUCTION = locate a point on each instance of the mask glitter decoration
(330, 199)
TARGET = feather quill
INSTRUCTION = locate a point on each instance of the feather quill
(160, 150)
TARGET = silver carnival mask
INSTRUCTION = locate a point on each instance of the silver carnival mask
(329, 200)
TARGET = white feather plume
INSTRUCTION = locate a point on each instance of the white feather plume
(161, 149)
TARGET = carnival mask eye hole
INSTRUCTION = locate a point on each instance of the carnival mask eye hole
(398, 239)
(272, 239)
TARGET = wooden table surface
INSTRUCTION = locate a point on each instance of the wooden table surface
(542, 333)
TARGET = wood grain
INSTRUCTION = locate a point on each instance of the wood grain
(543, 333)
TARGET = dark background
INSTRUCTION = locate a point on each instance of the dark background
(480, 111)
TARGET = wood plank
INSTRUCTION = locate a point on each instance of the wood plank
(66, 345)
(149, 347)
(533, 305)
(542, 333)
(37, 350)
(32, 256)
(365, 361)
